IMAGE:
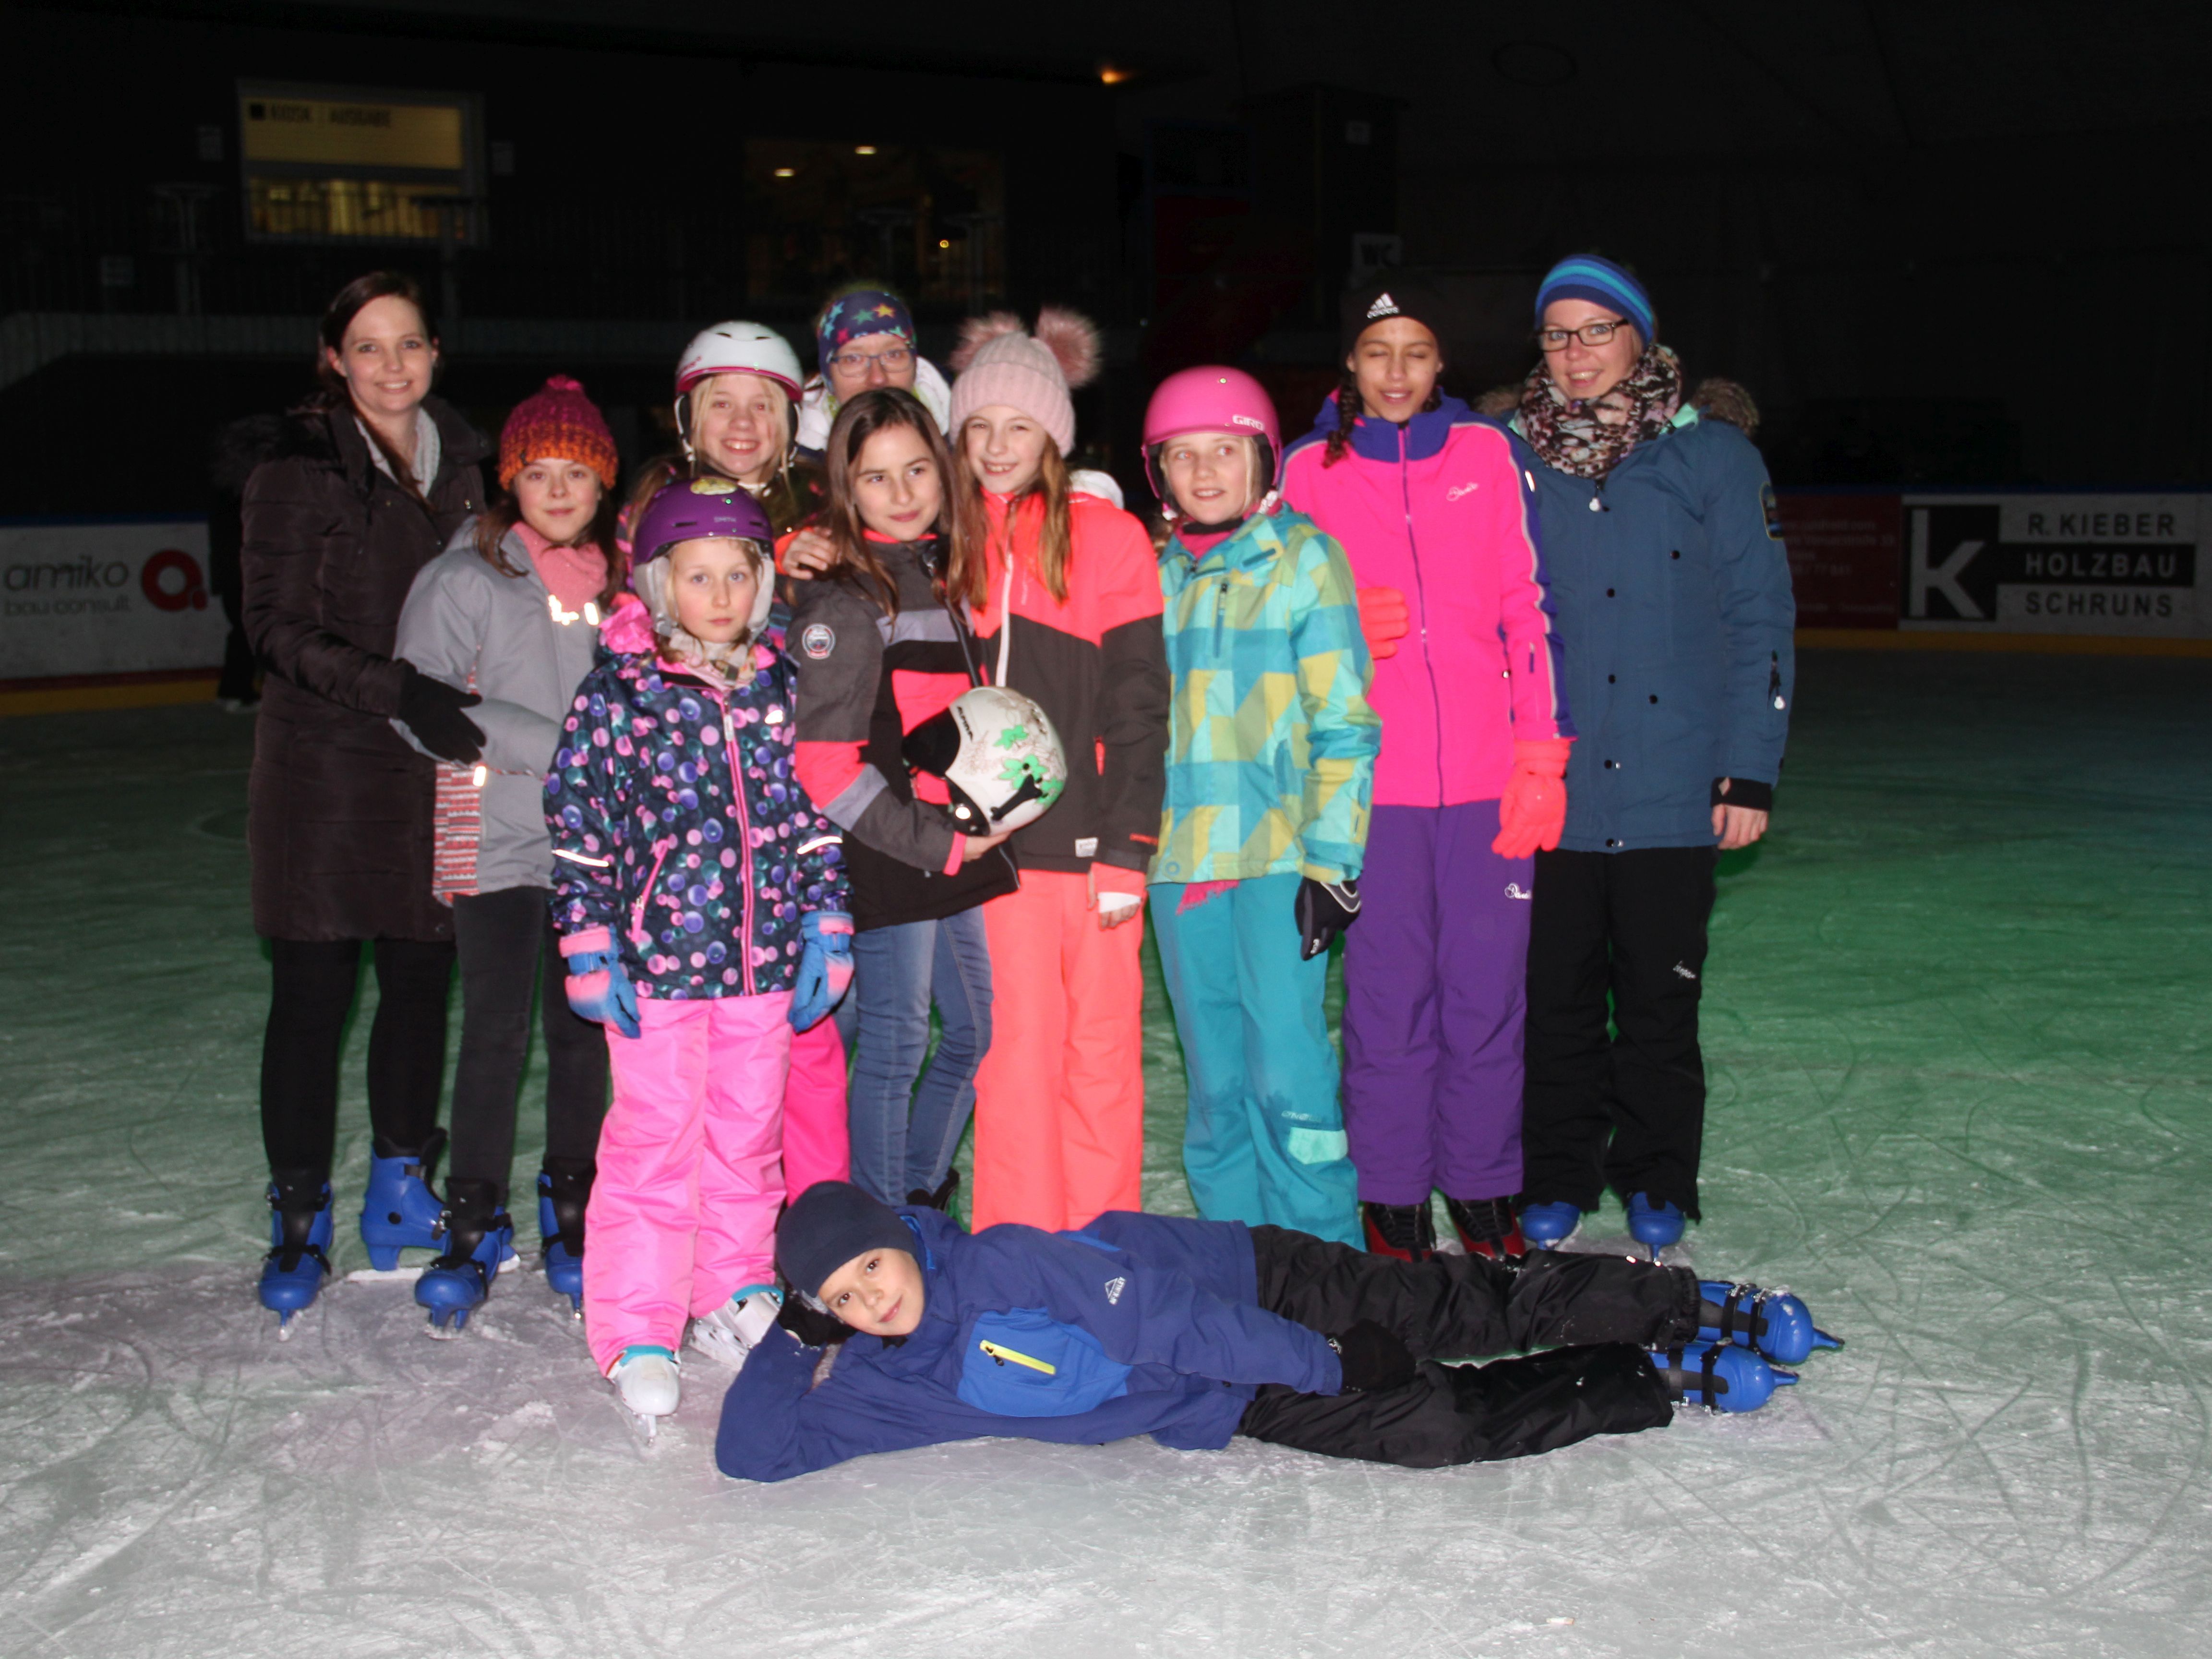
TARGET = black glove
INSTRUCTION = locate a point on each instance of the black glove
(432, 710)
(813, 1329)
(1325, 909)
(1374, 1358)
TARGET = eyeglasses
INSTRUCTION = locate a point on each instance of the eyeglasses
(856, 363)
(1590, 334)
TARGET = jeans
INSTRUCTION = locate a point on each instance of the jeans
(904, 1133)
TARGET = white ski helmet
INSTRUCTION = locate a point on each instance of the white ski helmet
(999, 756)
(739, 347)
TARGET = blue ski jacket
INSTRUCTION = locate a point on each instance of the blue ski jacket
(1672, 587)
(1140, 1324)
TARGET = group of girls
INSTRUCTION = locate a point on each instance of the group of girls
(671, 760)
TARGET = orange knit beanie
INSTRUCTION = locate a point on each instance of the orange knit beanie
(557, 421)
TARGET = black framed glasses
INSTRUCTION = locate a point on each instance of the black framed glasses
(1590, 334)
(856, 363)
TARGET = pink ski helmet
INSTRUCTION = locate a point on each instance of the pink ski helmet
(1212, 397)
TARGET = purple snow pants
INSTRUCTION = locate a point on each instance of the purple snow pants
(1435, 977)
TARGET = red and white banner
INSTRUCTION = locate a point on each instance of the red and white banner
(119, 596)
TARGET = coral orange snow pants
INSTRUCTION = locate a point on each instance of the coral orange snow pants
(1060, 1099)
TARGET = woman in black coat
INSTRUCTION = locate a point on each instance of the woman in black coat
(372, 479)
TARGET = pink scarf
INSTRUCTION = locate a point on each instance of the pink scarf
(573, 575)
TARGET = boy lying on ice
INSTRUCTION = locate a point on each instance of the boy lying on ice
(1194, 1331)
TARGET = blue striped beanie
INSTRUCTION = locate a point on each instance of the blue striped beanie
(1586, 277)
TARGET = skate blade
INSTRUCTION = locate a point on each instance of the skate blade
(383, 1276)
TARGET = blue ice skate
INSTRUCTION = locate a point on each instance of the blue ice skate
(561, 1200)
(399, 1211)
(1547, 1226)
(299, 1244)
(1719, 1376)
(479, 1236)
(1654, 1226)
(1775, 1323)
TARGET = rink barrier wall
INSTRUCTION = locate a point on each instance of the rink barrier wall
(115, 612)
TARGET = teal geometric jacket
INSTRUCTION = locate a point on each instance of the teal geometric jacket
(1270, 740)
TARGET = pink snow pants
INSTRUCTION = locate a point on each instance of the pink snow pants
(817, 1140)
(683, 1211)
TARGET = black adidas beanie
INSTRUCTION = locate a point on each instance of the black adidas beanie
(1392, 294)
(833, 1221)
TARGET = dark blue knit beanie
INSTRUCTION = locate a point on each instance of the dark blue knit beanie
(1586, 277)
(833, 1221)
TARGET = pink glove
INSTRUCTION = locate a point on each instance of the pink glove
(1533, 814)
(1383, 619)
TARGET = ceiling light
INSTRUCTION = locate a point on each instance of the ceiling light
(944, 241)
(787, 172)
(1113, 76)
(864, 150)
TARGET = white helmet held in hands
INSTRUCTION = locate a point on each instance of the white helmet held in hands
(999, 756)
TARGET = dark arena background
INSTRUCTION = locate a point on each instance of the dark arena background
(1956, 1012)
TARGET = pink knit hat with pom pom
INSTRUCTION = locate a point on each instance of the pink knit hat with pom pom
(1034, 372)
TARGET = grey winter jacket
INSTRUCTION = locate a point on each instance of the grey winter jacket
(463, 618)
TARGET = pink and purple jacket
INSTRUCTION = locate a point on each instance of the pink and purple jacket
(1444, 510)
(680, 828)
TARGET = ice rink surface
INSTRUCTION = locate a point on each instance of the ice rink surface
(1956, 1019)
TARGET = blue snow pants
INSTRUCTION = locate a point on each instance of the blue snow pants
(1263, 1139)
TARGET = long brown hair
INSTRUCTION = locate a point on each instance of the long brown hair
(505, 512)
(1056, 542)
(858, 564)
(332, 392)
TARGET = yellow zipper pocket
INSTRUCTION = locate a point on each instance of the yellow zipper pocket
(1002, 1355)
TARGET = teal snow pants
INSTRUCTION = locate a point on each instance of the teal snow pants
(1263, 1141)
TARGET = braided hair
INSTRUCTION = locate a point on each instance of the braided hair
(1348, 405)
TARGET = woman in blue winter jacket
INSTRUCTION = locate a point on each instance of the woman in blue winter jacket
(1672, 588)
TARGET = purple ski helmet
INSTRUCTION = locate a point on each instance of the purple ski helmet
(694, 509)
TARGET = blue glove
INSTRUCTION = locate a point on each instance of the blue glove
(825, 969)
(599, 989)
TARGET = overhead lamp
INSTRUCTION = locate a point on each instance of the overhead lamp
(864, 150)
(787, 172)
(1113, 76)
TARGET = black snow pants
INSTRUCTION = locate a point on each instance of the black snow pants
(1615, 1090)
(1595, 1314)
(502, 938)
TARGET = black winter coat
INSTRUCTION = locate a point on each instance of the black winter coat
(338, 814)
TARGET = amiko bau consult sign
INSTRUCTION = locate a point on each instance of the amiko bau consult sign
(105, 598)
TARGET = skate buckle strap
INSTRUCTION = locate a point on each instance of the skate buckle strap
(1739, 1296)
(1713, 1386)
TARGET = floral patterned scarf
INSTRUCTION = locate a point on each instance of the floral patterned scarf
(1569, 436)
